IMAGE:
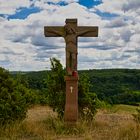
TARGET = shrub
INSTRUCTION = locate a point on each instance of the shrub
(87, 100)
(56, 87)
(13, 104)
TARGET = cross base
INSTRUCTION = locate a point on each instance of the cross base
(71, 105)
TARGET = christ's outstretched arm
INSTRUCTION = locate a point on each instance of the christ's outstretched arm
(54, 31)
(59, 33)
(87, 31)
(81, 33)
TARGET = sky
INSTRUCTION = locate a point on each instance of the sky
(23, 46)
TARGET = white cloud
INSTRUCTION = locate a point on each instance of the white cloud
(10, 7)
(117, 22)
(135, 38)
(112, 6)
(120, 7)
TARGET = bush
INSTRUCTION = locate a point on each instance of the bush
(56, 87)
(87, 100)
(56, 91)
(13, 102)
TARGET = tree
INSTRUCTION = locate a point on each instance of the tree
(56, 87)
(13, 103)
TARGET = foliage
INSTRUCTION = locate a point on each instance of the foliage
(56, 91)
(32, 79)
(31, 95)
(110, 85)
(129, 97)
(87, 100)
(115, 85)
(34, 82)
(13, 98)
(56, 87)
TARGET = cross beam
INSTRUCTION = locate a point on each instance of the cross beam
(82, 31)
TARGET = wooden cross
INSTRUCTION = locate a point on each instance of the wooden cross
(70, 32)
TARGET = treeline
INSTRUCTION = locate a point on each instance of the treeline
(114, 86)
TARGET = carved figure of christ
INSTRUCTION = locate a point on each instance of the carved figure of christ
(70, 32)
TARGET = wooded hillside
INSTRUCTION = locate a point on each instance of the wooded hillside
(111, 85)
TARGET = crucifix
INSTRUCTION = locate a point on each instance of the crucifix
(70, 32)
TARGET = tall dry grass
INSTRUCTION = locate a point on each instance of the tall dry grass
(49, 127)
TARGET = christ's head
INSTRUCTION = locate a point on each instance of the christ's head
(69, 29)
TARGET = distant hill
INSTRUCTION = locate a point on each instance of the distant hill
(112, 85)
(115, 85)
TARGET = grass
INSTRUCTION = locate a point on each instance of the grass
(123, 109)
(42, 124)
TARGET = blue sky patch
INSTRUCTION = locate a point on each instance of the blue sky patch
(24, 13)
(90, 3)
(61, 3)
(106, 15)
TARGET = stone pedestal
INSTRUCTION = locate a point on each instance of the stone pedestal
(71, 105)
